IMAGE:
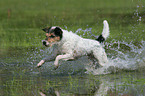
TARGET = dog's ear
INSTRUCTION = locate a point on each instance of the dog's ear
(46, 29)
(58, 31)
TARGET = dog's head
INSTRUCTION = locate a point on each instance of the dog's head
(53, 35)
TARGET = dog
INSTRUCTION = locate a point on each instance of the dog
(69, 46)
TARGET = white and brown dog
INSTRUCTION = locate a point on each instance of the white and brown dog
(69, 46)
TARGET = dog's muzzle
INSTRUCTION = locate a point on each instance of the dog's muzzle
(45, 43)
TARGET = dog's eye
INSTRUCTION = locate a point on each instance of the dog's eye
(51, 36)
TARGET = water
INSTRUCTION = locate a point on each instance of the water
(121, 60)
(124, 74)
(122, 56)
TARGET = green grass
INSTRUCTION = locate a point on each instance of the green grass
(21, 21)
(125, 83)
(19, 87)
(36, 14)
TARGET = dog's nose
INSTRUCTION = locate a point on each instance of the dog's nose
(44, 42)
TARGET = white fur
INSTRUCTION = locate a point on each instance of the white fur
(72, 46)
(105, 32)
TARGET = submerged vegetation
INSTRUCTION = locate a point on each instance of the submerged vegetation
(86, 85)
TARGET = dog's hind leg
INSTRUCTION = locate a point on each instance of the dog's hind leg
(100, 55)
(93, 62)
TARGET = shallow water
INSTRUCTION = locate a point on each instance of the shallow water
(124, 74)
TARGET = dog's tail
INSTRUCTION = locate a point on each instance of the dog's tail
(105, 32)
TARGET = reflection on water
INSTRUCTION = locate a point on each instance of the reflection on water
(24, 84)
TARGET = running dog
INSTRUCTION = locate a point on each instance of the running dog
(69, 46)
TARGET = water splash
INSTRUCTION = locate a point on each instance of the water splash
(120, 60)
(123, 56)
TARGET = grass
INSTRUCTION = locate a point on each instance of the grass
(22, 21)
(19, 87)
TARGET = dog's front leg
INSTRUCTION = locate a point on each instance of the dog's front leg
(48, 58)
(40, 63)
(59, 57)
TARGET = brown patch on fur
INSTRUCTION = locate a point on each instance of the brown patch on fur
(47, 34)
(51, 38)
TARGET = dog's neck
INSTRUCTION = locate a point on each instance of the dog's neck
(67, 37)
